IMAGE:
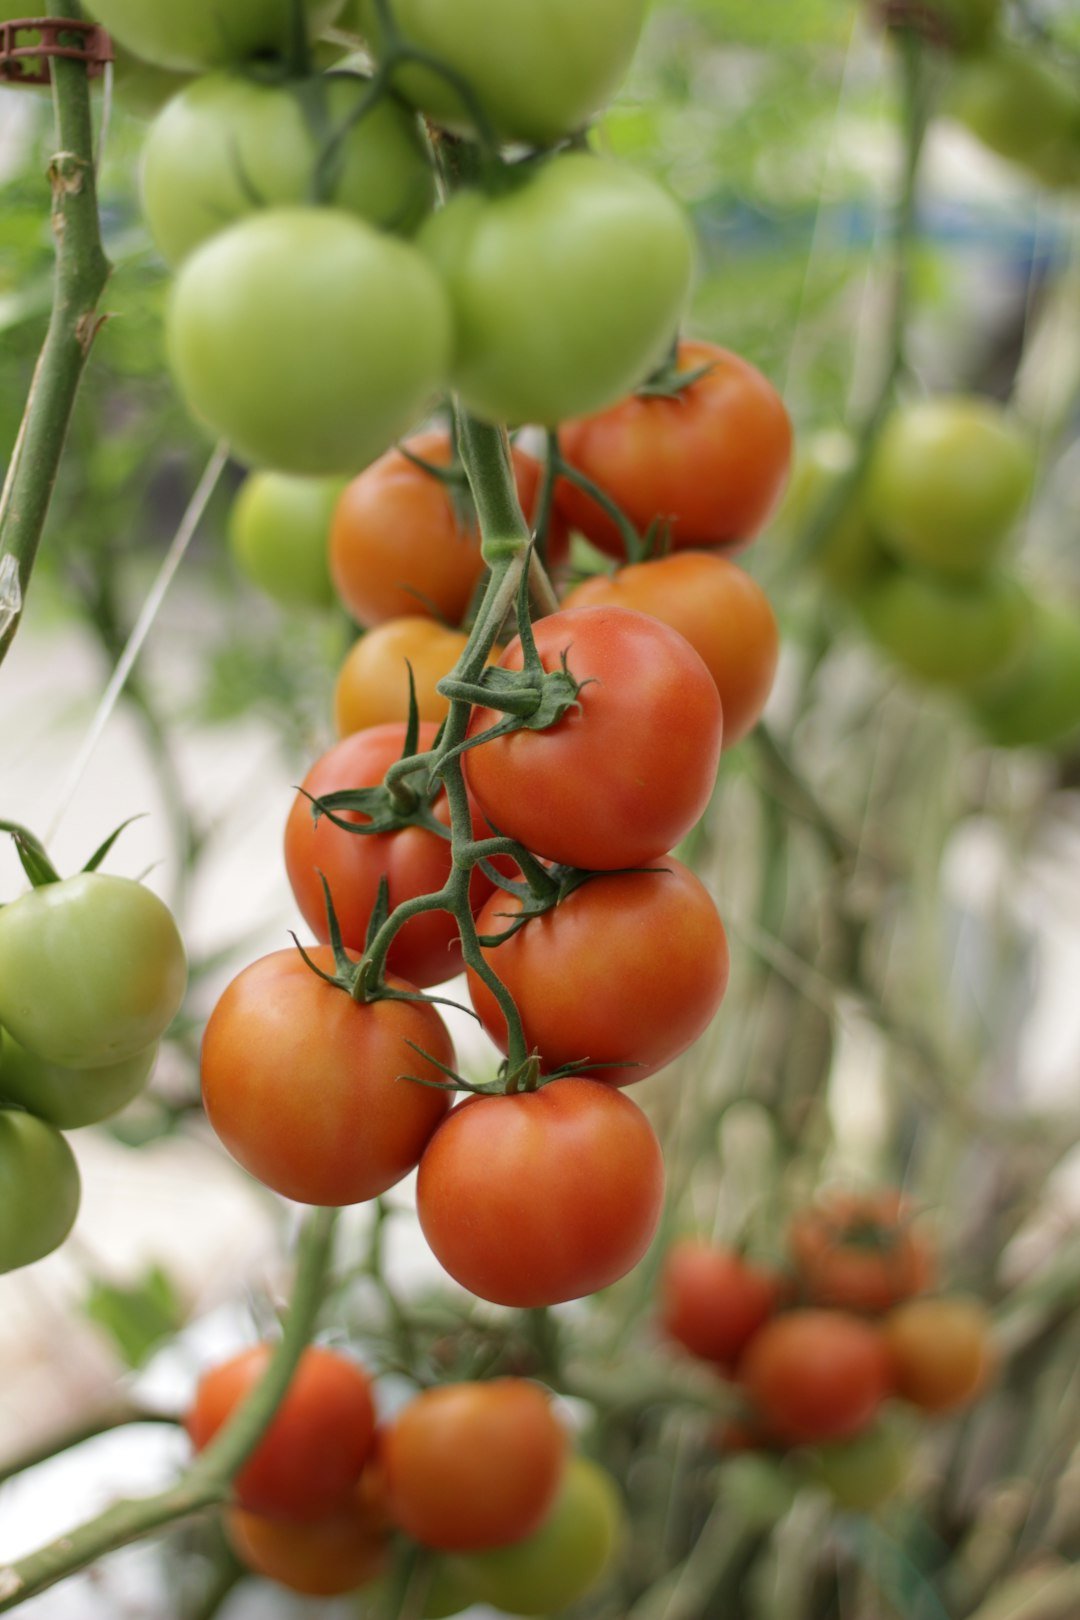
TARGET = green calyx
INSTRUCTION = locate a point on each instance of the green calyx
(34, 857)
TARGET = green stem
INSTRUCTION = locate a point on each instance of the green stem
(81, 273)
(206, 1482)
(104, 1423)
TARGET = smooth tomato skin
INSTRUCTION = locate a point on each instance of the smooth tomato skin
(709, 464)
(413, 860)
(92, 970)
(540, 70)
(70, 1098)
(1036, 704)
(566, 288)
(588, 980)
(573, 1170)
(198, 34)
(474, 1465)
(861, 1251)
(865, 1472)
(278, 532)
(41, 1188)
(712, 1301)
(327, 1558)
(619, 780)
(955, 634)
(361, 339)
(816, 1375)
(722, 612)
(303, 1084)
(941, 1352)
(372, 686)
(309, 1461)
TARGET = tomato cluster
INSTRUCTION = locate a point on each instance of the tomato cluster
(818, 1351)
(481, 1474)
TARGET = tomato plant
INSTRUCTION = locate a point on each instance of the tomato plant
(861, 1251)
(279, 530)
(816, 1375)
(573, 1170)
(713, 1300)
(941, 1352)
(959, 634)
(41, 1189)
(1036, 703)
(300, 1081)
(69, 1098)
(199, 35)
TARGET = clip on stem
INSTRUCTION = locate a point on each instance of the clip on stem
(75, 41)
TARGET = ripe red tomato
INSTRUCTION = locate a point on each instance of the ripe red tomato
(722, 612)
(541, 1197)
(470, 1466)
(941, 1352)
(861, 1251)
(413, 860)
(310, 1459)
(713, 1301)
(816, 1375)
(620, 779)
(327, 1558)
(302, 1083)
(589, 981)
(710, 463)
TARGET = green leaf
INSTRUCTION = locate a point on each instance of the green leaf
(137, 1319)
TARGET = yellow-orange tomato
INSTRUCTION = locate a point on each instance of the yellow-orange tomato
(861, 1251)
(373, 685)
(941, 1352)
(326, 1558)
(722, 612)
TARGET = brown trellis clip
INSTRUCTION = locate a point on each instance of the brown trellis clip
(916, 17)
(29, 62)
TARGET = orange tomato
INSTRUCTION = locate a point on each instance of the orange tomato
(373, 684)
(941, 1352)
(861, 1251)
(327, 1558)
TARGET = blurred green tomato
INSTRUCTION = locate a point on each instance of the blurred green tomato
(759, 1489)
(142, 89)
(1023, 106)
(566, 289)
(193, 35)
(40, 1182)
(69, 1098)
(950, 633)
(452, 1588)
(1037, 703)
(863, 1473)
(227, 145)
(968, 23)
(948, 479)
(279, 531)
(540, 68)
(849, 556)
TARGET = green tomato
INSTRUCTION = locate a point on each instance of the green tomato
(562, 1560)
(539, 68)
(758, 1488)
(451, 1589)
(39, 1189)
(947, 481)
(308, 339)
(950, 633)
(566, 289)
(141, 88)
(193, 35)
(70, 1098)
(1023, 106)
(227, 145)
(92, 970)
(968, 24)
(1037, 703)
(279, 531)
(850, 556)
(863, 1473)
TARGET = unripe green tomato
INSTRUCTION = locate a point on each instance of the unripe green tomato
(759, 1489)
(142, 89)
(39, 1181)
(227, 145)
(193, 35)
(849, 557)
(92, 970)
(279, 532)
(863, 1473)
(951, 633)
(450, 1590)
(1023, 106)
(540, 68)
(566, 289)
(1037, 703)
(947, 481)
(70, 1098)
(308, 339)
(564, 1558)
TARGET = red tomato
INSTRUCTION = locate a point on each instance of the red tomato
(722, 612)
(413, 860)
(328, 1558)
(310, 1459)
(620, 779)
(541, 1197)
(860, 1251)
(709, 463)
(302, 1083)
(713, 1301)
(941, 1351)
(471, 1466)
(816, 1375)
(589, 981)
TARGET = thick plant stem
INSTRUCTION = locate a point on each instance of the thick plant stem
(81, 273)
(206, 1482)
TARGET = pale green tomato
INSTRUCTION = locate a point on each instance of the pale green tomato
(228, 145)
(947, 481)
(1025, 107)
(1037, 703)
(862, 1474)
(279, 532)
(307, 339)
(539, 68)
(39, 1189)
(950, 633)
(759, 1489)
(70, 1098)
(850, 556)
(193, 35)
(566, 289)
